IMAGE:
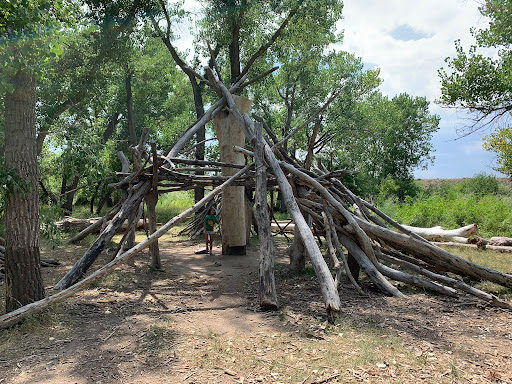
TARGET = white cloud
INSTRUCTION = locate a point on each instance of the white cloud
(412, 66)
(408, 66)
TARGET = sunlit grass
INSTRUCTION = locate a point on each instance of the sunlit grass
(500, 261)
(172, 204)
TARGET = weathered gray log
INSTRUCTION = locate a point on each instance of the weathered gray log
(16, 316)
(267, 285)
(500, 240)
(497, 248)
(357, 253)
(332, 251)
(454, 283)
(151, 202)
(368, 267)
(433, 254)
(296, 252)
(351, 225)
(327, 286)
(349, 270)
(93, 252)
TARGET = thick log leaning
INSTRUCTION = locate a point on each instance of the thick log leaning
(448, 281)
(127, 209)
(16, 316)
(267, 285)
(433, 254)
(363, 245)
(327, 286)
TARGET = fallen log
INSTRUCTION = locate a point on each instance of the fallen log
(92, 225)
(82, 265)
(433, 254)
(501, 241)
(441, 234)
(96, 226)
(497, 248)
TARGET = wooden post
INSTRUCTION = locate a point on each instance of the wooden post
(151, 202)
(267, 291)
(230, 134)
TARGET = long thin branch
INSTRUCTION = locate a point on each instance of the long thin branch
(312, 117)
(274, 37)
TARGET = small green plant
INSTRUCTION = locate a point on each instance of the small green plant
(49, 230)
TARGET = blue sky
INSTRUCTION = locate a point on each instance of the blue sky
(409, 41)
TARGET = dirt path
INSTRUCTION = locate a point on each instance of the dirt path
(198, 322)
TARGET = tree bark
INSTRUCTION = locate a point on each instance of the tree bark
(297, 254)
(68, 193)
(23, 279)
(267, 289)
(129, 109)
(151, 202)
(233, 225)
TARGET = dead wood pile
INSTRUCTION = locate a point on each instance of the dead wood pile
(357, 239)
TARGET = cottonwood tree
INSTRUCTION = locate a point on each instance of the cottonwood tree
(481, 82)
(479, 79)
(384, 138)
(29, 32)
(500, 142)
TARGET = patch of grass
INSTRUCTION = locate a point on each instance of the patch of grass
(488, 258)
(282, 215)
(159, 339)
(172, 204)
(115, 279)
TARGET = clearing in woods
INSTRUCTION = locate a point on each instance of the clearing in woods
(199, 322)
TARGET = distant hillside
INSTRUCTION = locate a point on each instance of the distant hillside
(425, 183)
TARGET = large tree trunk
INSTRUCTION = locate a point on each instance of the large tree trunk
(23, 279)
(129, 109)
(233, 225)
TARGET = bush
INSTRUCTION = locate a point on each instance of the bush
(478, 201)
(481, 185)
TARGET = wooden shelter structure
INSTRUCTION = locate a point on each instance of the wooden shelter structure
(359, 237)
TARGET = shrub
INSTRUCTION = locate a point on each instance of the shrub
(481, 185)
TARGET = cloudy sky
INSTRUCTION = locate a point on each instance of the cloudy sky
(409, 41)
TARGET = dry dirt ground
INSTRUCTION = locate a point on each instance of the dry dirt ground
(199, 322)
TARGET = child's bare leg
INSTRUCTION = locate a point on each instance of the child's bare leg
(211, 243)
(206, 236)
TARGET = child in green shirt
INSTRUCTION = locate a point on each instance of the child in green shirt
(209, 223)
